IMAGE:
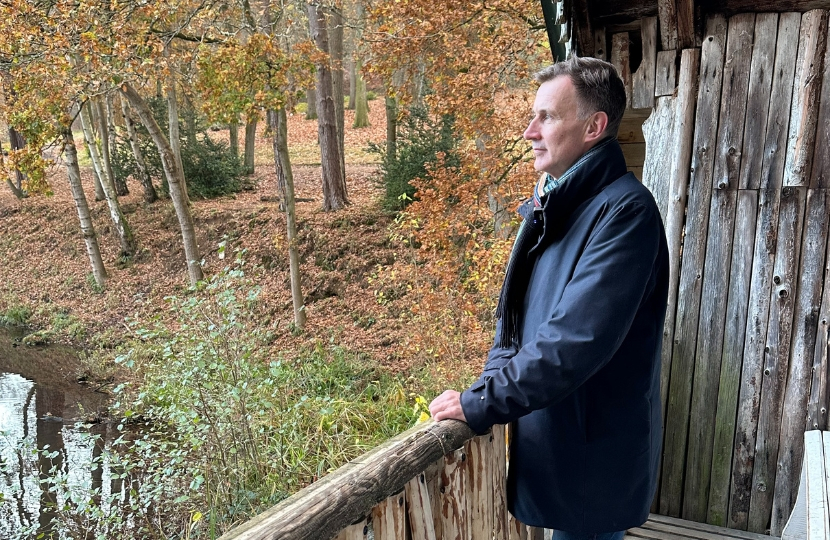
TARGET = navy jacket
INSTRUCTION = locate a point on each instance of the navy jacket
(583, 385)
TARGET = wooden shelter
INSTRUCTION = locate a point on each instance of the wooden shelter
(729, 126)
(736, 137)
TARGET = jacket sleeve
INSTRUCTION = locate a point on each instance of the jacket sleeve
(499, 356)
(588, 324)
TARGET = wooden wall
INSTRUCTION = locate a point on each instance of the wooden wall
(738, 156)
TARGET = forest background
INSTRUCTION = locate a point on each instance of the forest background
(264, 309)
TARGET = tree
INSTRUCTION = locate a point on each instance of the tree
(334, 185)
(150, 195)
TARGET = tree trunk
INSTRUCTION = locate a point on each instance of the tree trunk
(106, 163)
(70, 155)
(285, 179)
(353, 69)
(233, 135)
(336, 51)
(108, 145)
(311, 104)
(250, 144)
(17, 143)
(391, 127)
(122, 228)
(334, 186)
(361, 113)
(18, 192)
(173, 129)
(150, 195)
(175, 181)
(189, 121)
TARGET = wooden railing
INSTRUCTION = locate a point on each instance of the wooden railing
(447, 481)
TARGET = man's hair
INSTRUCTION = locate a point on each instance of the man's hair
(598, 87)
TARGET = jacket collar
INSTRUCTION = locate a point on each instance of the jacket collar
(594, 171)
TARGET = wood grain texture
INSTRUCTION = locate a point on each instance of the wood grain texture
(481, 508)
(667, 16)
(657, 129)
(666, 73)
(772, 172)
(806, 90)
(620, 58)
(818, 513)
(389, 518)
(419, 509)
(499, 462)
(716, 276)
(600, 43)
(355, 531)
(697, 225)
(817, 405)
(776, 355)
(758, 101)
(340, 498)
(668, 528)
(743, 243)
(805, 326)
(686, 29)
(455, 480)
(642, 82)
(687, 91)
(820, 175)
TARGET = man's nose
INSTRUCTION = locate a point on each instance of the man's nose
(531, 132)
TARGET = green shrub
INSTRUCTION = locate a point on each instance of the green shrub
(210, 168)
(15, 315)
(421, 137)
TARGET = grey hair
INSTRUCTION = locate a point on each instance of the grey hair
(598, 87)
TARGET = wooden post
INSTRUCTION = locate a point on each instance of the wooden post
(600, 47)
(498, 465)
(666, 73)
(667, 15)
(787, 254)
(678, 187)
(454, 480)
(419, 508)
(620, 59)
(820, 177)
(807, 87)
(643, 79)
(805, 321)
(356, 531)
(657, 130)
(769, 184)
(480, 494)
(389, 518)
(697, 226)
(686, 31)
(718, 262)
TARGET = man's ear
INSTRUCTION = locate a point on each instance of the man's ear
(595, 128)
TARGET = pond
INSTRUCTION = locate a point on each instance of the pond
(46, 417)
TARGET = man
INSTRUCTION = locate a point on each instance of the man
(576, 360)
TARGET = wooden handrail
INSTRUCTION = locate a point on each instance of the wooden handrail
(324, 508)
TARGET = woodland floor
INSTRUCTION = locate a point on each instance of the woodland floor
(45, 267)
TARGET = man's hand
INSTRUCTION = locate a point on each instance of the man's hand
(447, 405)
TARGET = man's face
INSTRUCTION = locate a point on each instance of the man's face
(558, 136)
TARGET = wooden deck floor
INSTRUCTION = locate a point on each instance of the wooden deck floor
(667, 528)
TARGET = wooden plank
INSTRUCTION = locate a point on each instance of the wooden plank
(680, 173)
(356, 531)
(776, 357)
(582, 28)
(806, 320)
(686, 28)
(389, 518)
(480, 488)
(820, 175)
(642, 82)
(666, 73)
(715, 286)
(815, 475)
(499, 462)
(743, 243)
(818, 402)
(419, 508)
(455, 480)
(697, 225)
(772, 172)
(335, 501)
(535, 533)
(695, 526)
(758, 102)
(600, 47)
(657, 129)
(516, 530)
(620, 59)
(434, 486)
(806, 90)
(667, 16)
(635, 155)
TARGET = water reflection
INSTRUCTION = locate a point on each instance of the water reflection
(41, 415)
